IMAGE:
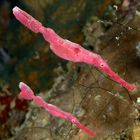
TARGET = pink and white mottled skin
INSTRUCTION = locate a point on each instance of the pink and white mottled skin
(67, 49)
(28, 94)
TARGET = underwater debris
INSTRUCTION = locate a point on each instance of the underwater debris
(138, 49)
(125, 4)
(67, 49)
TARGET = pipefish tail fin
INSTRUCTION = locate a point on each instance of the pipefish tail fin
(27, 20)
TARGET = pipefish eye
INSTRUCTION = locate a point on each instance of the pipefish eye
(76, 50)
(73, 120)
(102, 65)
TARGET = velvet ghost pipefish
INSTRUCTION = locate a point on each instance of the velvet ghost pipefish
(28, 94)
(67, 49)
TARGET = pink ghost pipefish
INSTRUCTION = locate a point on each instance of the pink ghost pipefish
(67, 49)
(28, 94)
